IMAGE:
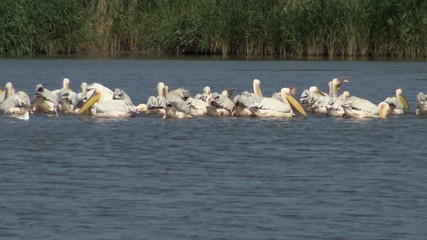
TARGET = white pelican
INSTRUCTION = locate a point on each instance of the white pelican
(200, 103)
(102, 103)
(271, 107)
(46, 101)
(67, 98)
(198, 107)
(204, 94)
(355, 107)
(421, 104)
(119, 94)
(156, 105)
(314, 100)
(177, 106)
(17, 104)
(243, 101)
(398, 104)
(221, 103)
(335, 108)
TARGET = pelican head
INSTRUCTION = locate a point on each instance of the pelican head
(257, 87)
(207, 90)
(141, 107)
(345, 96)
(287, 96)
(119, 94)
(66, 84)
(338, 81)
(161, 89)
(315, 90)
(228, 92)
(402, 99)
(84, 90)
(39, 90)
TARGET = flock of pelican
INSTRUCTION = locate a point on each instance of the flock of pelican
(98, 100)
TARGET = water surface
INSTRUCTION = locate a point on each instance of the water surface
(214, 178)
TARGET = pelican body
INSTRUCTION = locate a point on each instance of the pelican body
(355, 107)
(16, 104)
(222, 103)
(272, 107)
(177, 106)
(398, 104)
(243, 101)
(46, 101)
(421, 104)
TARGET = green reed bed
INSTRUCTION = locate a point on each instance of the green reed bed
(218, 27)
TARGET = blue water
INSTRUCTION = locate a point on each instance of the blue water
(214, 178)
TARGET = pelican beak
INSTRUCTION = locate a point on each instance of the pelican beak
(294, 103)
(338, 86)
(1, 91)
(402, 99)
(90, 102)
(258, 92)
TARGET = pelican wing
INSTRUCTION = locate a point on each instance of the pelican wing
(277, 96)
(222, 101)
(177, 95)
(395, 105)
(273, 104)
(107, 94)
(316, 101)
(180, 106)
(156, 102)
(121, 95)
(22, 99)
(114, 106)
(18, 100)
(46, 94)
(361, 104)
(7, 104)
(197, 103)
(152, 102)
(246, 99)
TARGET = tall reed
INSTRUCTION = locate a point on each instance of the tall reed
(220, 27)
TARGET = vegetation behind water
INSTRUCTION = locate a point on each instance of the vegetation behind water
(216, 27)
